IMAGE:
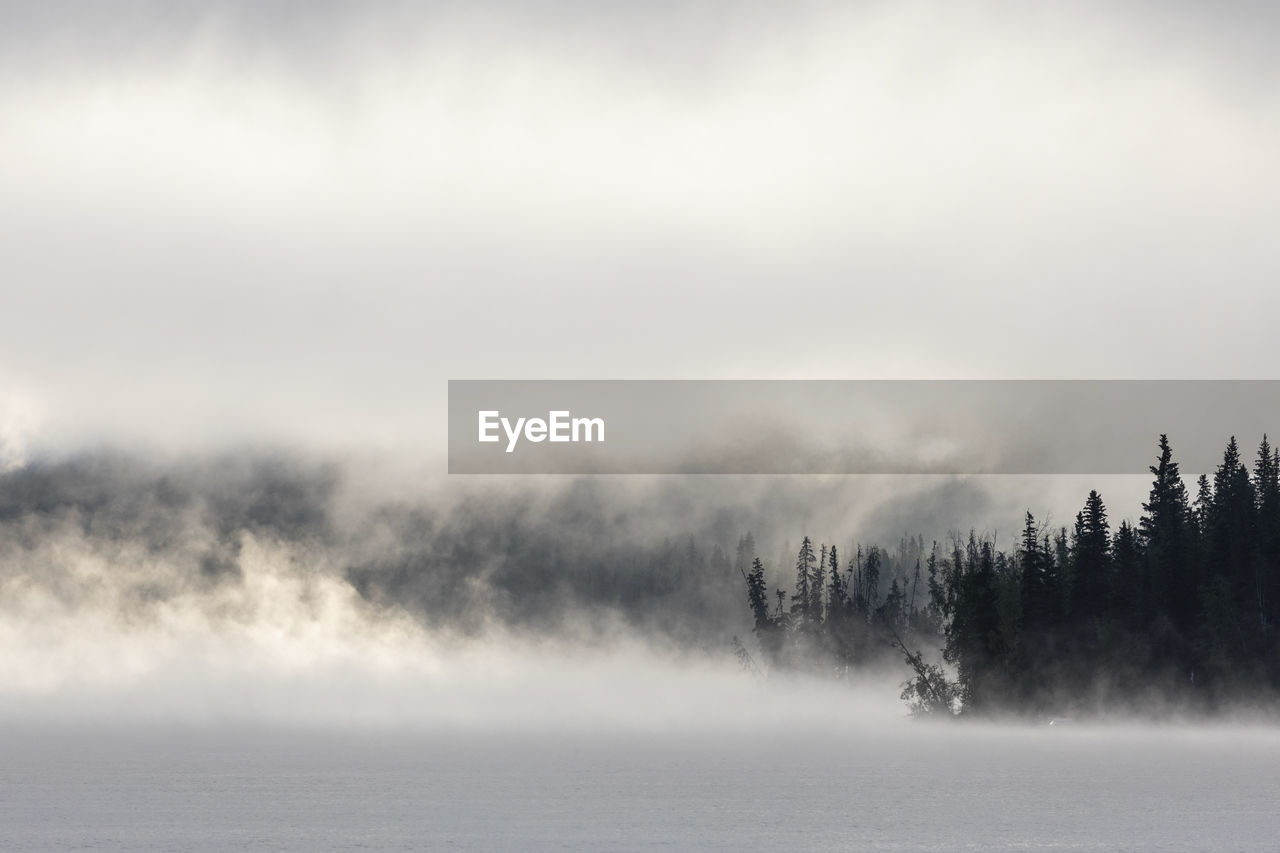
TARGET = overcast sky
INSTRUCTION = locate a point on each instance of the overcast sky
(294, 222)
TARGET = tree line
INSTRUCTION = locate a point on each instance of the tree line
(1179, 610)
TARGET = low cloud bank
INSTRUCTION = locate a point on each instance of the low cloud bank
(269, 586)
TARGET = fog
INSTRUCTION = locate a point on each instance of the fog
(317, 217)
(274, 587)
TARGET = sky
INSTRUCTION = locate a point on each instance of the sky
(288, 223)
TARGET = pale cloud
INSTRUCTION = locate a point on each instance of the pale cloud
(229, 223)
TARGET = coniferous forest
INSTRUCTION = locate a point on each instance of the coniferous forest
(1178, 612)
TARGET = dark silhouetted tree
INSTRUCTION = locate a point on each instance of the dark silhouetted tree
(1165, 529)
(1091, 561)
(802, 599)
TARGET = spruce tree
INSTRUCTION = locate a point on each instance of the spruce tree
(802, 600)
(1091, 560)
(766, 627)
(1232, 524)
(1164, 529)
(936, 609)
(1266, 479)
(758, 597)
(1129, 598)
(1203, 507)
(894, 607)
(816, 582)
(871, 578)
(974, 640)
(1035, 602)
(915, 587)
(837, 593)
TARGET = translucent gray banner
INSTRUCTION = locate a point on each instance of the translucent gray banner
(850, 427)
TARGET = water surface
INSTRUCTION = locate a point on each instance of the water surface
(906, 788)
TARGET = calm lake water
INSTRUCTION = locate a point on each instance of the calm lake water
(907, 787)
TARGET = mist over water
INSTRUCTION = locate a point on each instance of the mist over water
(300, 652)
(273, 588)
(270, 588)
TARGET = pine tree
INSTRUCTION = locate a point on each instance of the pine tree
(839, 616)
(1130, 587)
(1091, 560)
(1051, 564)
(1165, 536)
(859, 594)
(1037, 605)
(912, 615)
(816, 582)
(802, 600)
(766, 627)
(1232, 523)
(837, 592)
(1203, 507)
(758, 597)
(974, 640)
(871, 578)
(936, 609)
(1266, 479)
(894, 606)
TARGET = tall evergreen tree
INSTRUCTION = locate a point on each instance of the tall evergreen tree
(871, 578)
(816, 583)
(1266, 479)
(1130, 587)
(1091, 560)
(1231, 530)
(1039, 606)
(802, 600)
(1165, 536)
(915, 587)
(766, 627)
(837, 592)
(974, 641)
(1202, 509)
(758, 596)
(894, 608)
(937, 608)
